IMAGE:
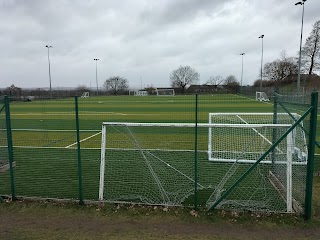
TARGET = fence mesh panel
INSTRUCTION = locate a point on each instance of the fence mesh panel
(44, 140)
(289, 104)
(156, 164)
(4, 156)
(142, 163)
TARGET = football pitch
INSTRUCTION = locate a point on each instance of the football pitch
(45, 147)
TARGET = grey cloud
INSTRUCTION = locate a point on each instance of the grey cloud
(143, 38)
(175, 12)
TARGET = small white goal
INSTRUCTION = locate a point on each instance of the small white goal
(262, 97)
(85, 95)
(141, 93)
(239, 140)
(165, 92)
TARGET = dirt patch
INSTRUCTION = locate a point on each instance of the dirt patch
(21, 221)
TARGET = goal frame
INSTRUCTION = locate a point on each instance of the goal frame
(165, 90)
(262, 97)
(85, 95)
(253, 127)
(286, 192)
(141, 93)
(132, 92)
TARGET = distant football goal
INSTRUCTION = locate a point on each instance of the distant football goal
(85, 95)
(165, 92)
(262, 97)
(140, 93)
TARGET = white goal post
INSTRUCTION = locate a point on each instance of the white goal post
(85, 95)
(132, 92)
(141, 93)
(262, 97)
(254, 122)
(246, 145)
(235, 141)
(165, 92)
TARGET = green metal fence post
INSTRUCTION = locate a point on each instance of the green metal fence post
(311, 151)
(196, 156)
(1, 199)
(10, 146)
(79, 152)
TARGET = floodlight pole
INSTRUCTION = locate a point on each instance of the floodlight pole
(262, 36)
(299, 64)
(97, 59)
(48, 46)
(241, 70)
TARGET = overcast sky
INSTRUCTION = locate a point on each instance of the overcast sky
(144, 40)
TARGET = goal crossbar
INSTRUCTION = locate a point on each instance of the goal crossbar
(262, 96)
(204, 125)
(165, 92)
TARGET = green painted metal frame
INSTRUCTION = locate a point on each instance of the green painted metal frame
(311, 151)
(3, 106)
(79, 152)
(10, 145)
(300, 125)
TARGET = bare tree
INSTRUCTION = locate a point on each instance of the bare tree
(13, 91)
(279, 69)
(183, 76)
(232, 84)
(116, 84)
(39, 92)
(215, 80)
(265, 83)
(81, 89)
(310, 53)
(231, 81)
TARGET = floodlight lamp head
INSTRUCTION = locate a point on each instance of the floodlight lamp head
(242, 53)
(261, 36)
(300, 3)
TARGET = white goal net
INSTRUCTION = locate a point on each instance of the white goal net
(141, 93)
(165, 92)
(147, 162)
(242, 138)
(225, 143)
(154, 163)
(85, 95)
(262, 97)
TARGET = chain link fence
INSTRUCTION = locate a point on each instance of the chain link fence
(162, 150)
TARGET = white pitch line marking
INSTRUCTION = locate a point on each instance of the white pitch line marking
(83, 139)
